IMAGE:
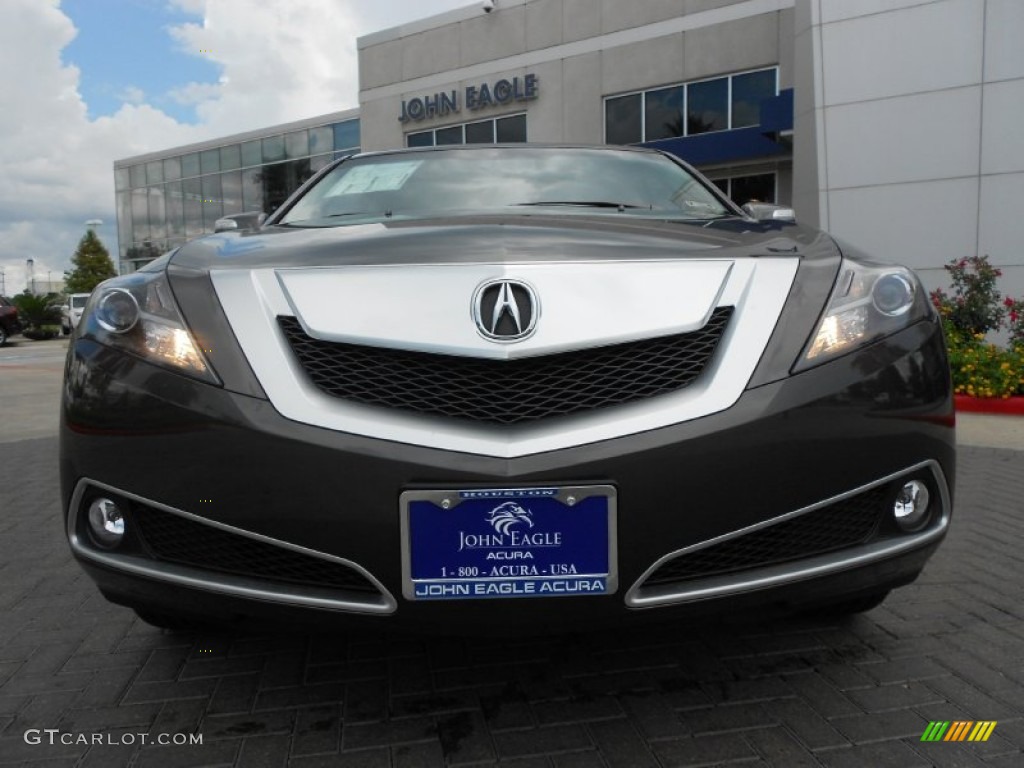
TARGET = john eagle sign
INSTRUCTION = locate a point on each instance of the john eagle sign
(506, 90)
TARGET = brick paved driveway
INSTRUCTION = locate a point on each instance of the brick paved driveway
(793, 693)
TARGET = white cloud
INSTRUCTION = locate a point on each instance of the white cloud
(132, 95)
(195, 93)
(279, 62)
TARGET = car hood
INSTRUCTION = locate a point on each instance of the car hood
(470, 239)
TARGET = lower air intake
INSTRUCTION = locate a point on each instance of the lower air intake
(176, 539)
(846, 523)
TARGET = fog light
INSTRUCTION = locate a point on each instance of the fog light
(911, 506)
(106, 523)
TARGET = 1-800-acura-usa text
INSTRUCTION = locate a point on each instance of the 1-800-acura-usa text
(506, 386)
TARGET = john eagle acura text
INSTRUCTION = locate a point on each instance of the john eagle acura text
(506, 386)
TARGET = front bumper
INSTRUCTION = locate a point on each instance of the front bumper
(230, 462)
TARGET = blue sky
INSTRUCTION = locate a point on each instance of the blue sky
(125, 44)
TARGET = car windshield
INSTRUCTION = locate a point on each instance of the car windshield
(504, 179)
(77, 302)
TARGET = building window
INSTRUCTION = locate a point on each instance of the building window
(480, 133)
(252, 190)
(688, 109)
(623, 119)
(231, 191)
(748, 91)
(420, 139)
(707, 106)
(511, 130)
(189, 165)
(157, 213)
(321, 140)
(296, 144)
(172, 169)
(319, 161)
(154, 172)
(452, 135)
(231, 157)
(741, 190)
(209, 161)
(252, 153)
(664, 112)
(138, 176)
(501, 130)
(273, 149)
(213, 201)
(175, 203)
(346, 135)
(193, 194)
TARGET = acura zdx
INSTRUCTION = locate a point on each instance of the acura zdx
(512, 386)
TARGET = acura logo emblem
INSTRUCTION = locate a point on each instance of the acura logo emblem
(505, 310)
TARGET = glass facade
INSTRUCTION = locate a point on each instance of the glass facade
(162, 203)
(687, 109)
(501, 130)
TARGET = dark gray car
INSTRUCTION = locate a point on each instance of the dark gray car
(513, 387)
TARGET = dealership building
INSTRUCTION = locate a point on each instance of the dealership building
(894, 124)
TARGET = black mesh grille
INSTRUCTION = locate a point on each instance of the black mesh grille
(844, 524)
(506, 391)
(177, 539)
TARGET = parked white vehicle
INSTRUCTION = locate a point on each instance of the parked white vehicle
(71, 312)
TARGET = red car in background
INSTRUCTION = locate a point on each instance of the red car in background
(9, 323)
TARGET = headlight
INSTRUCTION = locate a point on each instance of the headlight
(868, 301)
(137, 313)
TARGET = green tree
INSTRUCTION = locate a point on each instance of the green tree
(36, 311)
(91, 265)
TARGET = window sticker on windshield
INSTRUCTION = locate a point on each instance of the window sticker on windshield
(375, 178)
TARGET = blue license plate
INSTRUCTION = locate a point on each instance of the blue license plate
(508, 542)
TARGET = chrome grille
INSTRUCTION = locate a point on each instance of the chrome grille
(506, 391)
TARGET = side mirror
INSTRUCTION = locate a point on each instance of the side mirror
(236, 221)
(769, 212)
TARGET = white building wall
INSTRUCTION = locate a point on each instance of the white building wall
(909, 120)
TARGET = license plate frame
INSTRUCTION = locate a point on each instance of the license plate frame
(557, 518)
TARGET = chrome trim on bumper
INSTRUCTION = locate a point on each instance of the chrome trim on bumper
(765, 577)
(223, 583)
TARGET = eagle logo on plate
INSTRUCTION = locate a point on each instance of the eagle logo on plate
(504, 516)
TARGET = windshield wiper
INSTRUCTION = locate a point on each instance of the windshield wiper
(386, 214)
(589, 204)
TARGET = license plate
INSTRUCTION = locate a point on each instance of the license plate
(508, 542)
